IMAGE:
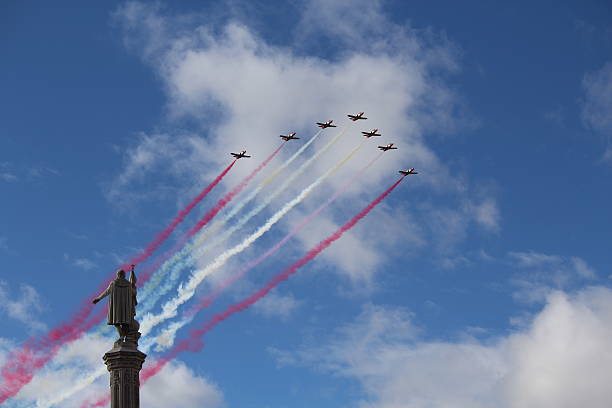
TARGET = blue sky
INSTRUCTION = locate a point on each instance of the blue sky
(116, 115)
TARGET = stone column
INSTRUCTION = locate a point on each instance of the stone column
(124, 362)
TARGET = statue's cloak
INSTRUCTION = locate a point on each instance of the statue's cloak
(121, 301)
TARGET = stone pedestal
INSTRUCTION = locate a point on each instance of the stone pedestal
(124, 362)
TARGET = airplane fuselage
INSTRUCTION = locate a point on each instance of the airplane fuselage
(387, 147)
(371, 133)
(326, 124)
(240, 155)
(356, 117)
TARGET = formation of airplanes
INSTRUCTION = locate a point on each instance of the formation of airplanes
(328, 124)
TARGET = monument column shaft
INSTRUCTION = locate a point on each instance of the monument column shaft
(124, 364)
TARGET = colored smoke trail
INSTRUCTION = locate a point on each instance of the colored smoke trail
(270, 178)
(215, 227)
(100, 402)
(226, 199)
(157, 277)
(170, 282)
(150, 285)
(161, 237)
(186, 291)
(19, 368)
(167, 337)
(24, 362)
(288, 181)
(194, 342)
(230, 280)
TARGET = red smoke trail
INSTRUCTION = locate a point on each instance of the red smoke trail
(36, 352)
(206, 301)
(100, 402)
(194, 343)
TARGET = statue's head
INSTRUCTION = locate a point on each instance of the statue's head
(121, 273)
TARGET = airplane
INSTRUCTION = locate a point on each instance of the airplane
(326, 124)
(408, 172)
(288, 137)
(356, 117)
(371, 133)
(240, 155)
(387, 147)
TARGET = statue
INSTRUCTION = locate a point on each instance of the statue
(124, 361)
(122, 306)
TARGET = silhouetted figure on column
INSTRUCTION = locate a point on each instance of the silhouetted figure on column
(124, 360)
(122, 303)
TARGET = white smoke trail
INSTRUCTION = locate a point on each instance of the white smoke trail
(170, 282)
(78, 386)
(186, 291)
(156, 279)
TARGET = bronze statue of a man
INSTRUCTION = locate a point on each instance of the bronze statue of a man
(122, 302)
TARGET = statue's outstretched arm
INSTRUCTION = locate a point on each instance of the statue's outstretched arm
(103, 294)
(133, 276)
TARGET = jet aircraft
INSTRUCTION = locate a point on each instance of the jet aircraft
(356, 117)
(326, 124)
(387, 147)
(288, 137)
(408, 172)
(371, 133)
(240, 155)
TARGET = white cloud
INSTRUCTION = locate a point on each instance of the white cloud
(175, 385)
(22, 307)
(487, 215)
(582, 268)
(85, 264)
(244, 91)
(562, 359)
(539, 274)
(449, 226)
(275, 305)
(11, 173)
(41, 171)
(607, 157)
(8, 177)
(597, 104)
(533, 259)
(179, 158)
